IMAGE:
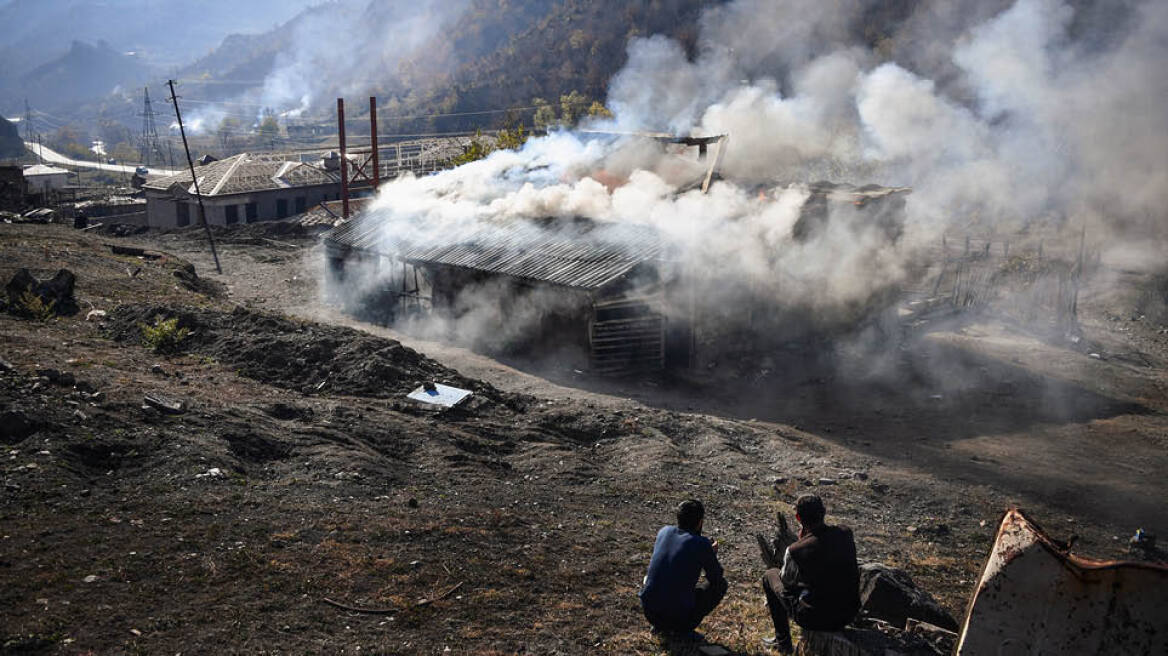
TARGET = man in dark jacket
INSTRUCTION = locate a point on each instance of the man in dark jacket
(673, 600)
(818, 584)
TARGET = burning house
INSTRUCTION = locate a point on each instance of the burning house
(594, 292)
(606, 294)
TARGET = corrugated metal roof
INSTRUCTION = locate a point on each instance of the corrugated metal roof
(579, 253)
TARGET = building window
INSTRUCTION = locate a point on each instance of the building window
(252, 211)
(231, 214)
(281, 208)
(183, 214)
(301, 204)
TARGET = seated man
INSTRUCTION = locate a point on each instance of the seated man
(818, 585)
(673, 600)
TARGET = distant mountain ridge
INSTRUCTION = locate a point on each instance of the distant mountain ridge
(491, 54)
(162, 34)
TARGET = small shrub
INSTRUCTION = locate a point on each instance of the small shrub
(164, 336)
(33, 307)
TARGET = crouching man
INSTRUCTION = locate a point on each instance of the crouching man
(818, 585)
(672, 598)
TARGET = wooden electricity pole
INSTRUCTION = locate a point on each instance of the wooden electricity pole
(194, 178)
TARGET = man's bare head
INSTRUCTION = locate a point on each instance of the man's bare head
(809, 510)
(690, 514)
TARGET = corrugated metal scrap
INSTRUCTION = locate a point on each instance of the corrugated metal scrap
(1034, 598)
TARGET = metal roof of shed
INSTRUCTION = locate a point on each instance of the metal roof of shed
(577, 253)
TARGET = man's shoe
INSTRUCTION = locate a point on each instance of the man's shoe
(783, 646)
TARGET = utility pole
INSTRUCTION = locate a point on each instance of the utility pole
(373, 133)
(194, 178)
(344, 158)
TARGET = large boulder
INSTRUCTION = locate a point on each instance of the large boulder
(889, 594)
(55, 294)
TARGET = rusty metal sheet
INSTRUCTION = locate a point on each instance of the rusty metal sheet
(1035, 598)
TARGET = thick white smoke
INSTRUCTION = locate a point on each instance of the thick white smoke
(1034, 116)
(337, 48)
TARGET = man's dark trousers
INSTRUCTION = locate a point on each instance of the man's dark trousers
(706, 599)
(783, 603)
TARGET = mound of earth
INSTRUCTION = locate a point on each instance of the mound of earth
(305, 357)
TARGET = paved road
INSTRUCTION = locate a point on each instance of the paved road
(51, 156)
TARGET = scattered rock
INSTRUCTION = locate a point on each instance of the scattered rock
(412, 503)
(57, 377)
(213, 472)
(890, 594)
(288, 412)
(95, 315)
(826, 481)
(164, 405)
(15, 426)
(157, 370)
(90, 579)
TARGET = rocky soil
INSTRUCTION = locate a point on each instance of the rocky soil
(291, 469)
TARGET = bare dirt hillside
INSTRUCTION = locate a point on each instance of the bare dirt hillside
(295, 471)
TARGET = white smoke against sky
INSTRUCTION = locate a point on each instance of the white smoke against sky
(340, 47)
(1026, 123)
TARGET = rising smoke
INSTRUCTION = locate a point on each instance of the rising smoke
(1036, 113)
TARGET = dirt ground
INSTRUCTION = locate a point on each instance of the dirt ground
(296, 471)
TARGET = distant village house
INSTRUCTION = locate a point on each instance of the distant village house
(42, 179)
(244, 188)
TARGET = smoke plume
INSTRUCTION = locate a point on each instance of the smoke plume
(1040, 113)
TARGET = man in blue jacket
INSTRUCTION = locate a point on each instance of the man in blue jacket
(673, 600)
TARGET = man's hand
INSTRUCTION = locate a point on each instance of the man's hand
(714, 546)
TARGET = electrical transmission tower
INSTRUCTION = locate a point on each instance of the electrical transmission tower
(149, 148)
(28, 133)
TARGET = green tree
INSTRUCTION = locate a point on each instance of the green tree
(269, 129)
(70, 140)
(573, 106)
(545, 115)
(598, 110)
(228, 129)
(123, 151)
(477, 150)
(511, 139)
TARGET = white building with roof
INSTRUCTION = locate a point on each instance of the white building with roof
(43, 179)
(244, 188)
